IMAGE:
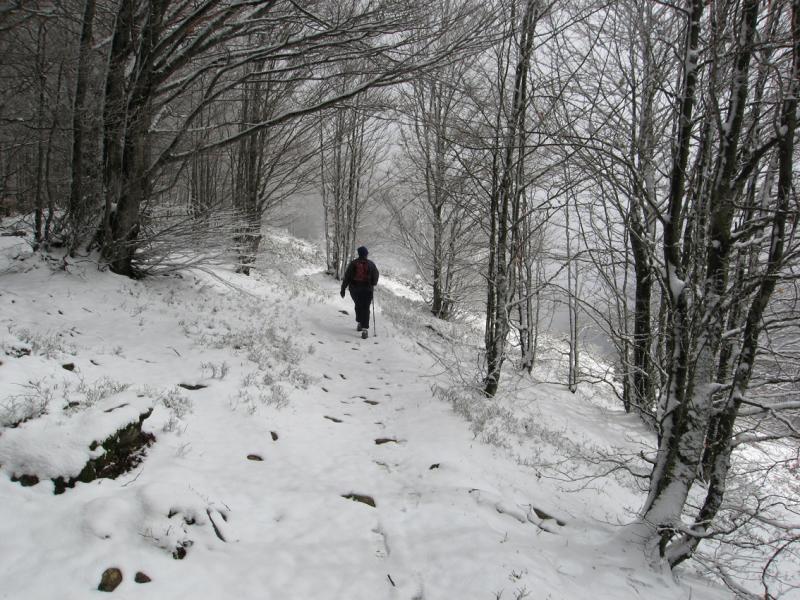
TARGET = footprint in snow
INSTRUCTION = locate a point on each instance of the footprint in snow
(547, 517)
(274, 436)
(363, 498)
(381, 441)
(334, 419)
(192, 386)
(383, 542)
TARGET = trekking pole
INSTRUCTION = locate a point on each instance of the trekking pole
(374, 318)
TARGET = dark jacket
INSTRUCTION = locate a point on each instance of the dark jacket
(349, 272)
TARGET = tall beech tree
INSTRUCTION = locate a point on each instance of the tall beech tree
(506, 186)
(352, 144)
(434, 222)
(714, 326)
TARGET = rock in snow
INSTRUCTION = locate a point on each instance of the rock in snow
(110, 579)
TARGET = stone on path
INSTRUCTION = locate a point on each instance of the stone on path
(141, 578)
(364, 499)
(110, 579)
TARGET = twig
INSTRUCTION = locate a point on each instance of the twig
(127, 483)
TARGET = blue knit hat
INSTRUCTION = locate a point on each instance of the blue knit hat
(362, 251)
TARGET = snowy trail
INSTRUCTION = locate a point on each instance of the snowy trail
(370, 387)
(310, 537)
(269, 502)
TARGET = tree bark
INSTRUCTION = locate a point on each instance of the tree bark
(664, 504)
(81, 203)
(135, 186)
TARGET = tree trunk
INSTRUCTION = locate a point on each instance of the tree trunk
(81, 203)
(669, 480)
(572, 307)
(643, 396)
(135, 186)
(40, 175)
(115, 117)
(685, 425)
(506, 249)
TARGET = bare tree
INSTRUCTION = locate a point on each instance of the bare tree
(272, 164)
(352, 146)
(434, 222)
(707, 383)
(613, 124)
(507, 179)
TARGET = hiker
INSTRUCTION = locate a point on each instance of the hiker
(360, 277)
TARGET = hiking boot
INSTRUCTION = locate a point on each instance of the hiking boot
(359, 327)
(364, 334)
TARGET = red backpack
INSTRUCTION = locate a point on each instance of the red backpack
(361, 271)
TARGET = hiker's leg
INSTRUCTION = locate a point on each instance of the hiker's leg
(354, 294)
(362, 298)
(367, 305)
(356, 304)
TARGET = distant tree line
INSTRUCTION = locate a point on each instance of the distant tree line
(122, 117)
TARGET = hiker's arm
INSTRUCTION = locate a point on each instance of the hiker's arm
(348, 275)
(375, 275)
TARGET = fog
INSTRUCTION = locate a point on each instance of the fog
(303, 217)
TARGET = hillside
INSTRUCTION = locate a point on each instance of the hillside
(283, 457)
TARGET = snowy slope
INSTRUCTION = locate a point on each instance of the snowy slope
(465, 506)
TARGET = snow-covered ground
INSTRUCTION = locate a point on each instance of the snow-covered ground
(312, 465)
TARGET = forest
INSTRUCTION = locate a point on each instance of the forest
(629, 165)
